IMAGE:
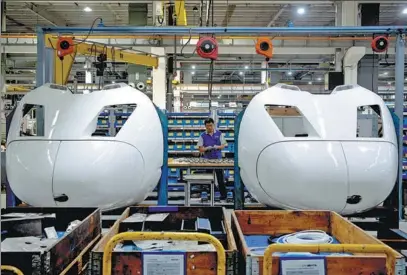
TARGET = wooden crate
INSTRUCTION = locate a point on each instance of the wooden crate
(277, 223)
(66, 255)
(197, 263)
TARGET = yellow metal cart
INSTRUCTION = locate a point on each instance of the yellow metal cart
(129, 236)
(12, 269)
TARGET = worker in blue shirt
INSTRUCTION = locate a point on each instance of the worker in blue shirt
(210, 144)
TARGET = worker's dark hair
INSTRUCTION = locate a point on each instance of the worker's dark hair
(209, 120)
(3, 142)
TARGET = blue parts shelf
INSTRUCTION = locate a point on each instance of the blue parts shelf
(184, 130)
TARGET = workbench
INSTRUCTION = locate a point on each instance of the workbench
(199, 163)
(204, 165)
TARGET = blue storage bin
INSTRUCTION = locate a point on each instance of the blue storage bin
(179, 122)
(195, 122)
(188, 134)
(223, 122)
(119, 122)
(188, 147)
(179, 134)
(231, 122)
(173, 172)
(188, 122)
(103, 122)
(171, 147)
(171, 122)
(172, 180)
(179, 147)
(171, 134)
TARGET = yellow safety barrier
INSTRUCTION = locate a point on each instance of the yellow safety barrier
(333, 248)
(129, 236)
(12, 268)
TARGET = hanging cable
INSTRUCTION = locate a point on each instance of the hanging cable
(210, 84)
(90, 31)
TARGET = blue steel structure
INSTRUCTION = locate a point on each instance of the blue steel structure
(238, 188)
(163, 185)
(44, 57)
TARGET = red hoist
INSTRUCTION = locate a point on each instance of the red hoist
(380, 44)
(264, 47)
(207, 47)
(65, 46)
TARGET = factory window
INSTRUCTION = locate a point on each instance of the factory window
(290, 121)
(32, 123)
(369, 122)
(111, 119)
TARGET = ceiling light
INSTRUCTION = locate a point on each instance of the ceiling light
(193, 67)
(241, 73)
(193, 73)
(405, 11)
(300, 10)
(113, 82)
(309, 82)
(290, 73)
(87, 9)
(319, 79)
(246, 67)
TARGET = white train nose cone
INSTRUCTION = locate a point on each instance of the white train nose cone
(304, 175)
(76, 173)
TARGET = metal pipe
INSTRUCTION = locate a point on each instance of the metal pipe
(232, 30)
(262, 69)
(239, 37)
(398, 108)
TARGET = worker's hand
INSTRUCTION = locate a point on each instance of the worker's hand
(209, 148)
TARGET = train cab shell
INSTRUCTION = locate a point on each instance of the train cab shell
(335, 151)
(66, 162)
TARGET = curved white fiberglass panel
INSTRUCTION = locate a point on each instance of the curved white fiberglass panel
(303, 151)
(69, 161)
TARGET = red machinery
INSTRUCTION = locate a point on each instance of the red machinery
(65, 46)
(207, 47)
(264, 47)
(380, 44)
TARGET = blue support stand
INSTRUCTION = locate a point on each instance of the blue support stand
(399, 111)
(163, 185)
(239, 192)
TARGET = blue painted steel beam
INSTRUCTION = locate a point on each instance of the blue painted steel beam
(399, 108)
(239, 190)
(163, 185)
(231, 30)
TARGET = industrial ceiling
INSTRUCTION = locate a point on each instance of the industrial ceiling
(22, 17)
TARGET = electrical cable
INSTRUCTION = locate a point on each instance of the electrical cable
(210, 84)
(90, 31)
(306, 237)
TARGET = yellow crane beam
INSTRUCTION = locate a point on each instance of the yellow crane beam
(62, 68)
(180, 12)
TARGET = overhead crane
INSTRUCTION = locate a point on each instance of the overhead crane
(63, 66)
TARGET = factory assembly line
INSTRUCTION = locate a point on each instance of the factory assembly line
(176, 159)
